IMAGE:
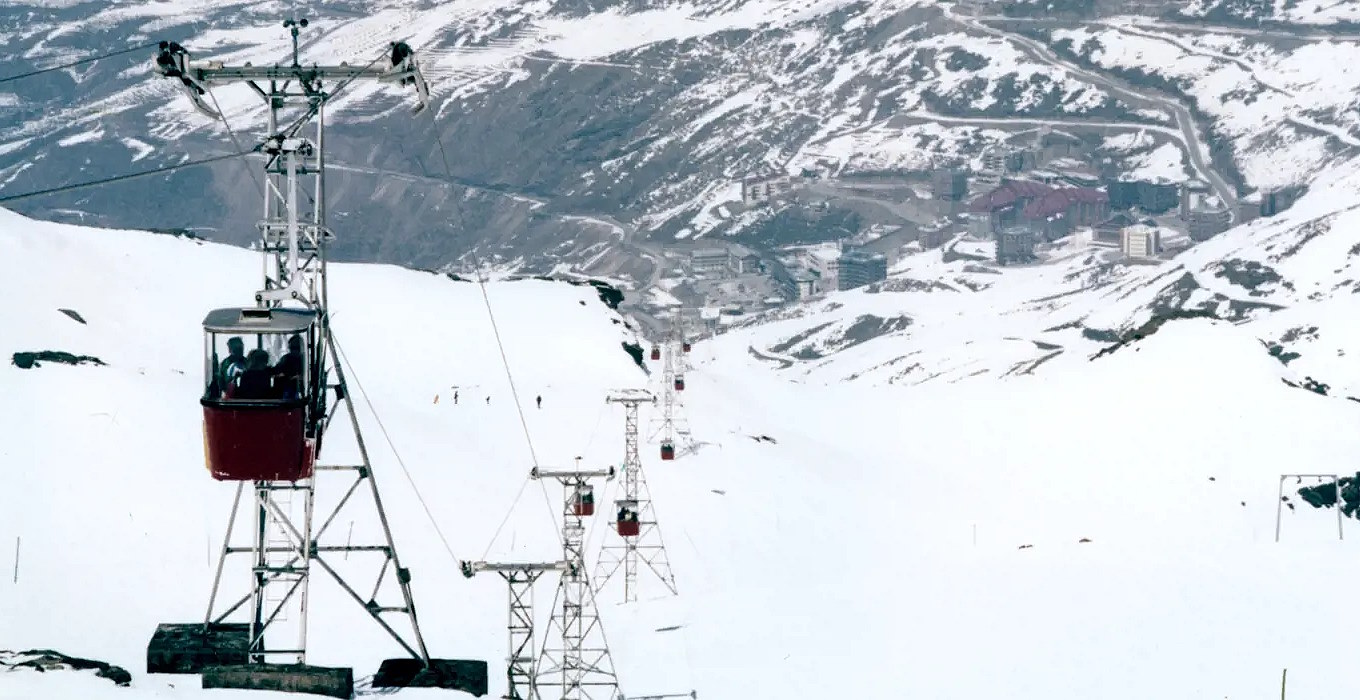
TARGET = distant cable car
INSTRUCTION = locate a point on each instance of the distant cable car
(679, 383)
(262, 399)
(656, 353)
(627, 522)
(685, 346)
(583, 501)
(667, 451)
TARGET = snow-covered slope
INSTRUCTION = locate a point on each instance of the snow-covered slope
(1288, 111)
(923, 540)
(937, 320)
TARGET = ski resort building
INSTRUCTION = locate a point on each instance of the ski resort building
(856, 268)
(1140, 241)
(1208, 219)
(1048, 210)
(710, 261)
(1015, 245)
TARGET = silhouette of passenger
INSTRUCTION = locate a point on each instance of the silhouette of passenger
(288, 372)
(254, 383)
(235, 363)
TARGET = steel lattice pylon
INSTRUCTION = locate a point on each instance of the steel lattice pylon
(520, 678)
(647, 545)
(582, 665)
(671, 426)
(283, 539)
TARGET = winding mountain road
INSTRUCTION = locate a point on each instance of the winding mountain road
(1196, 150)
(1278, 32)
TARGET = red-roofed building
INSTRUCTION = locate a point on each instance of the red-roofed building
(1082, 206)
(1049, 210)
(1003, 205)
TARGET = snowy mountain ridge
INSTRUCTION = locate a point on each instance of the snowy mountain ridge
(569, 125)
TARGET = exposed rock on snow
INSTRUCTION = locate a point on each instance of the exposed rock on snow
(44, 660)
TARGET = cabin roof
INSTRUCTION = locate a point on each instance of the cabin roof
(253, 320)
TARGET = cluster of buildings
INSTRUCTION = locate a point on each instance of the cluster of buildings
(1043, 211)
(828, 267)
(721, 261)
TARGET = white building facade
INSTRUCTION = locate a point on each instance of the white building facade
(1140, 241)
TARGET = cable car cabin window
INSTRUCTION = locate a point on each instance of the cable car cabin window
(256, 367)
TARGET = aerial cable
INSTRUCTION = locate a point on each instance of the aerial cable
(364, 394)
(128, 176)
(481, 282)
(232, 133)
(32, 73)
(508, 512)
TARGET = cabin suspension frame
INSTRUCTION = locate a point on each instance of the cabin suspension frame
(283, 538)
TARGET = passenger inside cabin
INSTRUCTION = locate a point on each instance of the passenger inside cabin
(235, 362)
(288, 372)
(254, 383)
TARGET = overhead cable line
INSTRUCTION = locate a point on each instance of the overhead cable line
(401, 462)
(235, 142)
(500, 345)
(481, 282)
(127, 176)
(79, 62)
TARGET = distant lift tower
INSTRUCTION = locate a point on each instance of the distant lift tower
(671, 424)
(519, 672)
(581, 666)
(276, 444)
(636, 525)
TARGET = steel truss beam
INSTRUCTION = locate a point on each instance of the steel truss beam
(521, 663)
(647, 545)
(671, 426)
(582, 665)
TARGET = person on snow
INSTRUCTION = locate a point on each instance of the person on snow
(540, 402)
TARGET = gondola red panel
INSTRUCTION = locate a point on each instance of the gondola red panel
(667, 451)
(629, 528)
(256, 442)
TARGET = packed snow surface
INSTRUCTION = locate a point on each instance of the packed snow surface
(921, 540)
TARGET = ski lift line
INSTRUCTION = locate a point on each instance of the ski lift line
(402, 463)
(495, 328)
(140, 47)
(508, 512)
(595, 430)
(127, 176)
(235, 142)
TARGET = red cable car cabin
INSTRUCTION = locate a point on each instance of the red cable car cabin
(685, 347)
(667, 451)
(261, 407)
(627, 521)
(583, 501)
(656, 353)
(679, 383)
